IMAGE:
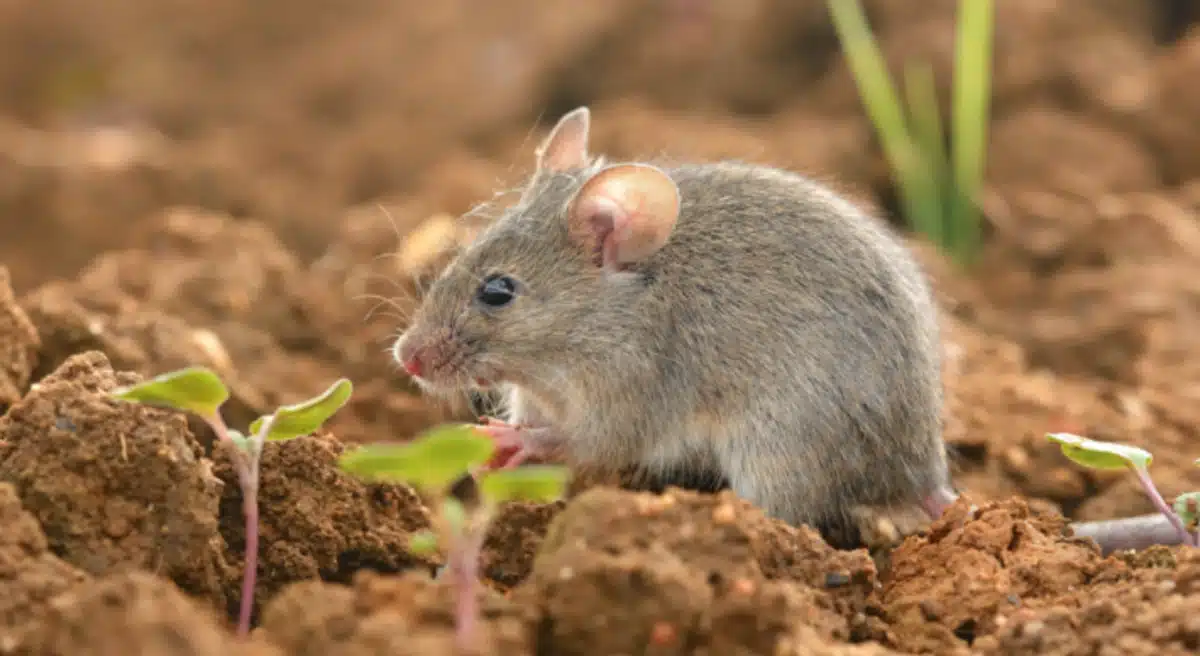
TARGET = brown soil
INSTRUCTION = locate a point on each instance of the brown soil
(266, 193)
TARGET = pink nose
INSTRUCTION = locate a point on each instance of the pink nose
(410, 356)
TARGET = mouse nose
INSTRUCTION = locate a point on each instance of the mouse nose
(412, 365)
(409, 356)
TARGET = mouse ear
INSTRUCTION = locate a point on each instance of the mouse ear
(624, 213)
(567, 145)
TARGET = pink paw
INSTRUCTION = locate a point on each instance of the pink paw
(514, 444)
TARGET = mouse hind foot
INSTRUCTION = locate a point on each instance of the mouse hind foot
(878, 529)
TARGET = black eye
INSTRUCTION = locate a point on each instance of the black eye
(497, 291)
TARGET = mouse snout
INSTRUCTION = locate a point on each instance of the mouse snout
(410, 356)
(429, 356)
(412, 365)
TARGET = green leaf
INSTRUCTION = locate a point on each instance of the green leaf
(431, 462)
(194, 389)
(423, 542)
(304, 418)
(541, 483)
(1101, 455)
(1187, 506)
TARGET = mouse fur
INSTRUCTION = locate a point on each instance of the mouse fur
(780, 341)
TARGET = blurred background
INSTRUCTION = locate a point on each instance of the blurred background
(242, 183)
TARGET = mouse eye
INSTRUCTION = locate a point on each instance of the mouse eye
(497, 291)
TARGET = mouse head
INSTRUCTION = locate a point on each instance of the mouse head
(548, 280)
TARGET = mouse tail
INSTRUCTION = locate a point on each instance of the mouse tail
(1140, 532)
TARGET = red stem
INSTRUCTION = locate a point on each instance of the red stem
(1159, 503)
(464, 568)
(246, 468)
(249, 573)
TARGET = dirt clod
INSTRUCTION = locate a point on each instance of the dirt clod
(114, 485)
(18, 346)
(317, 522)
(30, 576)
(957, 583)
(678, 569)
(130, 613)
(405, 615)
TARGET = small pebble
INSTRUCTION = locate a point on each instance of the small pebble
(929, 611)
(663, 633)
(1033, 628)
(724, 514)
(836, 579)
(744, 587)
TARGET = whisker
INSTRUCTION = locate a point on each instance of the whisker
(391, 220)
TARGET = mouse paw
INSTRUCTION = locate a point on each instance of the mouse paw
(516, 444)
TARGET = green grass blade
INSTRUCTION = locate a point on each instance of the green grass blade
(879, 98)
(972, 91)
(929, 137)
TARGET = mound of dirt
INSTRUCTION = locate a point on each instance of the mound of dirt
(129, 613)
(30, 575)
(19, 346)
(316, 522)
(679, 570)
(408, 615)
(114, 485)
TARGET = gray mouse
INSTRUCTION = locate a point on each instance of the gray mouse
(718, 324)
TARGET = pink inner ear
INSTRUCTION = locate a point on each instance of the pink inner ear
(625, 213)
(601, 219)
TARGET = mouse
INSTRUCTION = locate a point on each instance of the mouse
(708, 325)
(721, 321)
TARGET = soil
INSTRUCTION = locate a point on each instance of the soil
(267, 194)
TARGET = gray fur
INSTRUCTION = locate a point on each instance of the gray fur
(781, 339)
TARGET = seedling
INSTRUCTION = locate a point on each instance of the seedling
(1094, 454)
(939, 194)
(432, 463)
(199, 391)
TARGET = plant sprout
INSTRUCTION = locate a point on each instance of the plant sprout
(432, 463)
(1094, 454)
(939, 194)
(199, 391)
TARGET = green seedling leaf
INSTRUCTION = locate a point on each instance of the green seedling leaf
(540, 483)
(1187, 506)
(194, 389)
(300, 419)
(430, 462)
(1101, 455)
(423, 543)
